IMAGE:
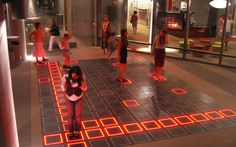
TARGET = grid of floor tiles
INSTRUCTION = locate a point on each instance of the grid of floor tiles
(114, 114)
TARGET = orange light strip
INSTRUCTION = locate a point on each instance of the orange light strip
(214, 115)
(130, 103)
(164, 122)
(184, 120)
(117, 129)
(74, 140)
(108, 121)
(98, 132)
(150, 125)
(132, 128)
(46, 137)
(227, 112)
(87, 124)
(178, 91)
(79, 144)
(199, 117)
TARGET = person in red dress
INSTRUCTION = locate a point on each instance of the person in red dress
(38, 43)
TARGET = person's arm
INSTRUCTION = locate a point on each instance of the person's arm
(63, 83)
(84, 85)
(166, 39)
(153, 45)
(30, 36)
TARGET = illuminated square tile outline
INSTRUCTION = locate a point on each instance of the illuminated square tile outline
(87, 121)
(208, 114)
(92, 130)
(126, 103)
(153, 75)
(53, 135)
(167, 119)
(194, 117)
(43, 80)
(132, 124)
(108, 118)
(63, 119)
(178, 91)
(227, 110)
(113, 127)
(151, 121)
(74, 140)
(59, 105)
(178, 119)
(60, 111)
(77, 143)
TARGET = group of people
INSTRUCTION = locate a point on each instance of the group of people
(38, 35)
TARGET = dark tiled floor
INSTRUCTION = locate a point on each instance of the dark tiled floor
(144, 111)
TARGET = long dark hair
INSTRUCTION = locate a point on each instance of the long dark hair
(162, 37)
(75, 69)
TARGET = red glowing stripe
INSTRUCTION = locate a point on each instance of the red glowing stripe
(129, 103)
(160, 78)
(167, 122)
(214, 115)
(77, 144)
(89, 124)
(75, 139)
(132, 128)
(150, 125)
(184, 120)
(108, 121)
(65, 127)
(178, 91)
(117, 129)
(48, 137)
(199, 117)
(43, 79)
(94, 133)
(227, 113)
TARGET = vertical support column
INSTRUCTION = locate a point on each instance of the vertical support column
(186, 29)
(8, 129)
(96, 22)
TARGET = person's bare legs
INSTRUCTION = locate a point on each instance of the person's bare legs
(122, 70)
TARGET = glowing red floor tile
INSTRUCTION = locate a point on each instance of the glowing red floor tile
(114, 131)
(199, 117)
(61, 104)
(227, 113)
(77, 144)
(64, 118)
(43, 80)
(63, 111)
(178, 91)
(184, 120)
(65, 127)
(130, 103)
(167, 122)
(214, 115)
(116, 64)
(94, 133)
(79, 138)
(53, 139)
(161, 78)
(89, 124)
(132, 128)
(108, 121)
(150, 125)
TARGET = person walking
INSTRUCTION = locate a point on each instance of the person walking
(74, 84)
(55, 34)
(158, 50)
(122, 54)
(134, 22)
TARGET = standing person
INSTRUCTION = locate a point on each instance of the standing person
(111, 44)
(55, 34)
(65, 48)
(105, 32)
(74, 84)
(158, 50)
(122, 54)
(134, 21)
(228, 28)
(38, 43)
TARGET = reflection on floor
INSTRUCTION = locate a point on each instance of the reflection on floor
(118, 115)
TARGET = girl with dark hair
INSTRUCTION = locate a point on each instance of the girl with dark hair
(38, 43)
(158, 50)
(74, 85)
(122, 54)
